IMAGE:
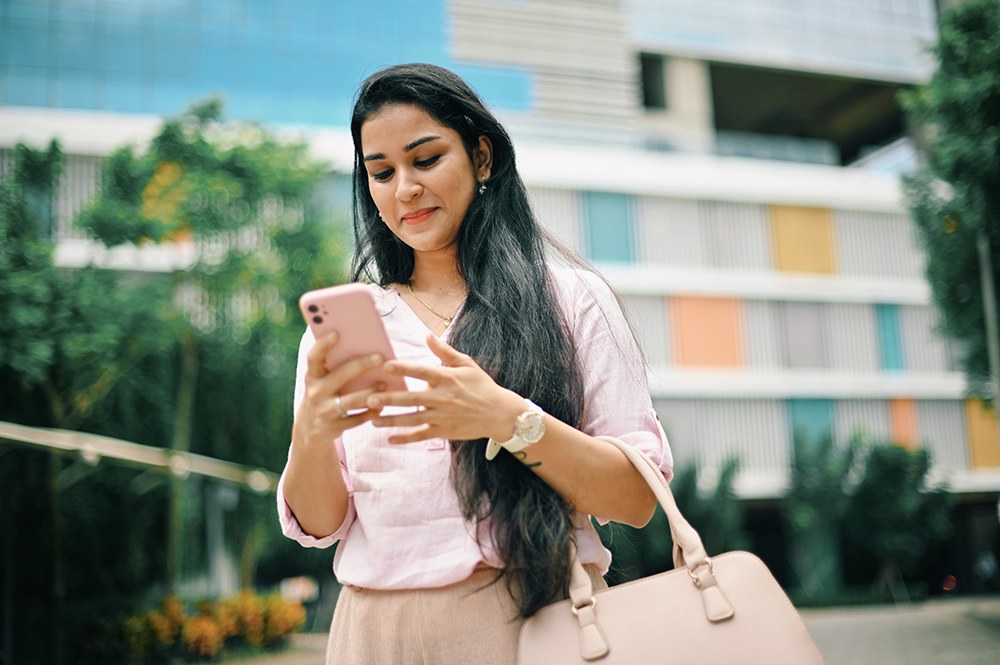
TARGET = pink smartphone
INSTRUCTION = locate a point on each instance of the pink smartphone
(350, 310)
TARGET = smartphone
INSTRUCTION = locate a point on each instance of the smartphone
(350, 310)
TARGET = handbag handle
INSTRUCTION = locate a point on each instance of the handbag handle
(688, 552)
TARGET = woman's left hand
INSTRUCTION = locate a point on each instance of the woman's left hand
(461, 400)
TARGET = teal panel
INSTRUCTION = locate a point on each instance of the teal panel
(889, 337)
(812, 420)
(608, 223)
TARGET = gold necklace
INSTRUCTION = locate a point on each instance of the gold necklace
(447, 319)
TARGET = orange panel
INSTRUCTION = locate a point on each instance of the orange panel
(903, 422)
(802, 239)
(984, 445)
(707, 332)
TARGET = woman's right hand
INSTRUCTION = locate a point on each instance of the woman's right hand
(325, 413)
(314, 487)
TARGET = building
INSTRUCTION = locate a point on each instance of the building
(732, 167)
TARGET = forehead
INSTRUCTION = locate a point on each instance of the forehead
(397, 125)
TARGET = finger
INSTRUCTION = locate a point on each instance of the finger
(448, 354)
(402, 419)
(409, 398)
(359, 399)
(352, 421)
(424, 372)
(420, 434)
(316, 358)
(340, 375)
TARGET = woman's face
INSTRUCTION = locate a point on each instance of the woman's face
(420, 176)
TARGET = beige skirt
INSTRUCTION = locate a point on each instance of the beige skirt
(472, 622)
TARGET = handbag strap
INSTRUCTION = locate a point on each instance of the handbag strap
(688, 553)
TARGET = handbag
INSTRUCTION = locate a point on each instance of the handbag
(706, 611)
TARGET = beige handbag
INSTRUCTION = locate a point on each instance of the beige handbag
(707, 611)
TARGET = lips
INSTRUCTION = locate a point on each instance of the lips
(418, 216)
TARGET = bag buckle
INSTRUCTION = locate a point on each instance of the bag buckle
(694, 578)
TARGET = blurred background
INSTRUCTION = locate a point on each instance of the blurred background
(792, 198)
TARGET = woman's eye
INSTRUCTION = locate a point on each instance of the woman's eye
(382, 176)
(424, 163)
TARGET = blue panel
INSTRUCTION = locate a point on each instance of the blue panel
(27, 86)
(812, 420)
(121, 51)
(889, 337)
(123, 92)
(608, 227)
(26, 43)
(291, 61)
(78, 91)
(75, 46)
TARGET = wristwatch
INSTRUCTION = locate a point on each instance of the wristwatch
(529, 428)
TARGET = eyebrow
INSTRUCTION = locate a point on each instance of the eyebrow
(407, 148)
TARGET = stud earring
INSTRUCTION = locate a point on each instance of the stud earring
(482, 187)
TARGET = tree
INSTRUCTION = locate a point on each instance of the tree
(200, 358)
(894, 514)
(814, 511)
(237, 201)
(955, 195)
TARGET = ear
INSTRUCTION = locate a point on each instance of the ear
(483, 158)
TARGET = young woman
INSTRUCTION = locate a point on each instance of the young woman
(493, 461)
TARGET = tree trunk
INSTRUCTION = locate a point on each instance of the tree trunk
(181, 444)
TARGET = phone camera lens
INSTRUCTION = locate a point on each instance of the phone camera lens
(317, 319)
(313, 308)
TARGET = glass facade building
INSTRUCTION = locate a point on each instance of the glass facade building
(286, 62)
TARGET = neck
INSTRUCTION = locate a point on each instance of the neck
(437, 274)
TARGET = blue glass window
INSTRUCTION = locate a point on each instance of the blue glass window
(812, 420)
(889, 337)
(608, 227)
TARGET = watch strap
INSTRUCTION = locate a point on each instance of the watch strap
(515, 443)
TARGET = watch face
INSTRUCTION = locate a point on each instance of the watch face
(531, 427)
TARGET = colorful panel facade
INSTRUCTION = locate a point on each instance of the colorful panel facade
(804, 331)
(889, 338)
(648, 316)
(669, 232)
(811, 420)
(903, 419)
(608, 226)
(707, 332)
(802, 239)
(984, 444)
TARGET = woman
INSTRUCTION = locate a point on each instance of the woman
(522, 367)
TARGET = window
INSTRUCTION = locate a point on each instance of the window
(654, 81)
(608, 225)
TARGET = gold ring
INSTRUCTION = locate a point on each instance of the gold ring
(340, 407)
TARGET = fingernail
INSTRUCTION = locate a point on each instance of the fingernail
(374, 402)
(374, 358)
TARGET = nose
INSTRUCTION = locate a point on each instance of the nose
(407, 187)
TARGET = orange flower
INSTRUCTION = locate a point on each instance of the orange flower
(202, 636)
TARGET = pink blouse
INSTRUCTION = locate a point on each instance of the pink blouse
(403, 528)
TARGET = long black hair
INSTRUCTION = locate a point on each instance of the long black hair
(511, 324)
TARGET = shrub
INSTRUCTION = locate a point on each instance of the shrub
(246, 620)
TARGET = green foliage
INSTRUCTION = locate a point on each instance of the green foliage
(201, 357)
(716, 514)
(893, 512)
(956, 193)
(818, 488)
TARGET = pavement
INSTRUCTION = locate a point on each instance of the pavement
(953, 631)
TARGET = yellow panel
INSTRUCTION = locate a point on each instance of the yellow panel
(802, 239)
(903, 421)
(707, 332)
(984, 445)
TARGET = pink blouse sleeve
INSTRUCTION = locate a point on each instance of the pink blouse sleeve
(290, 526)
(617, 404)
